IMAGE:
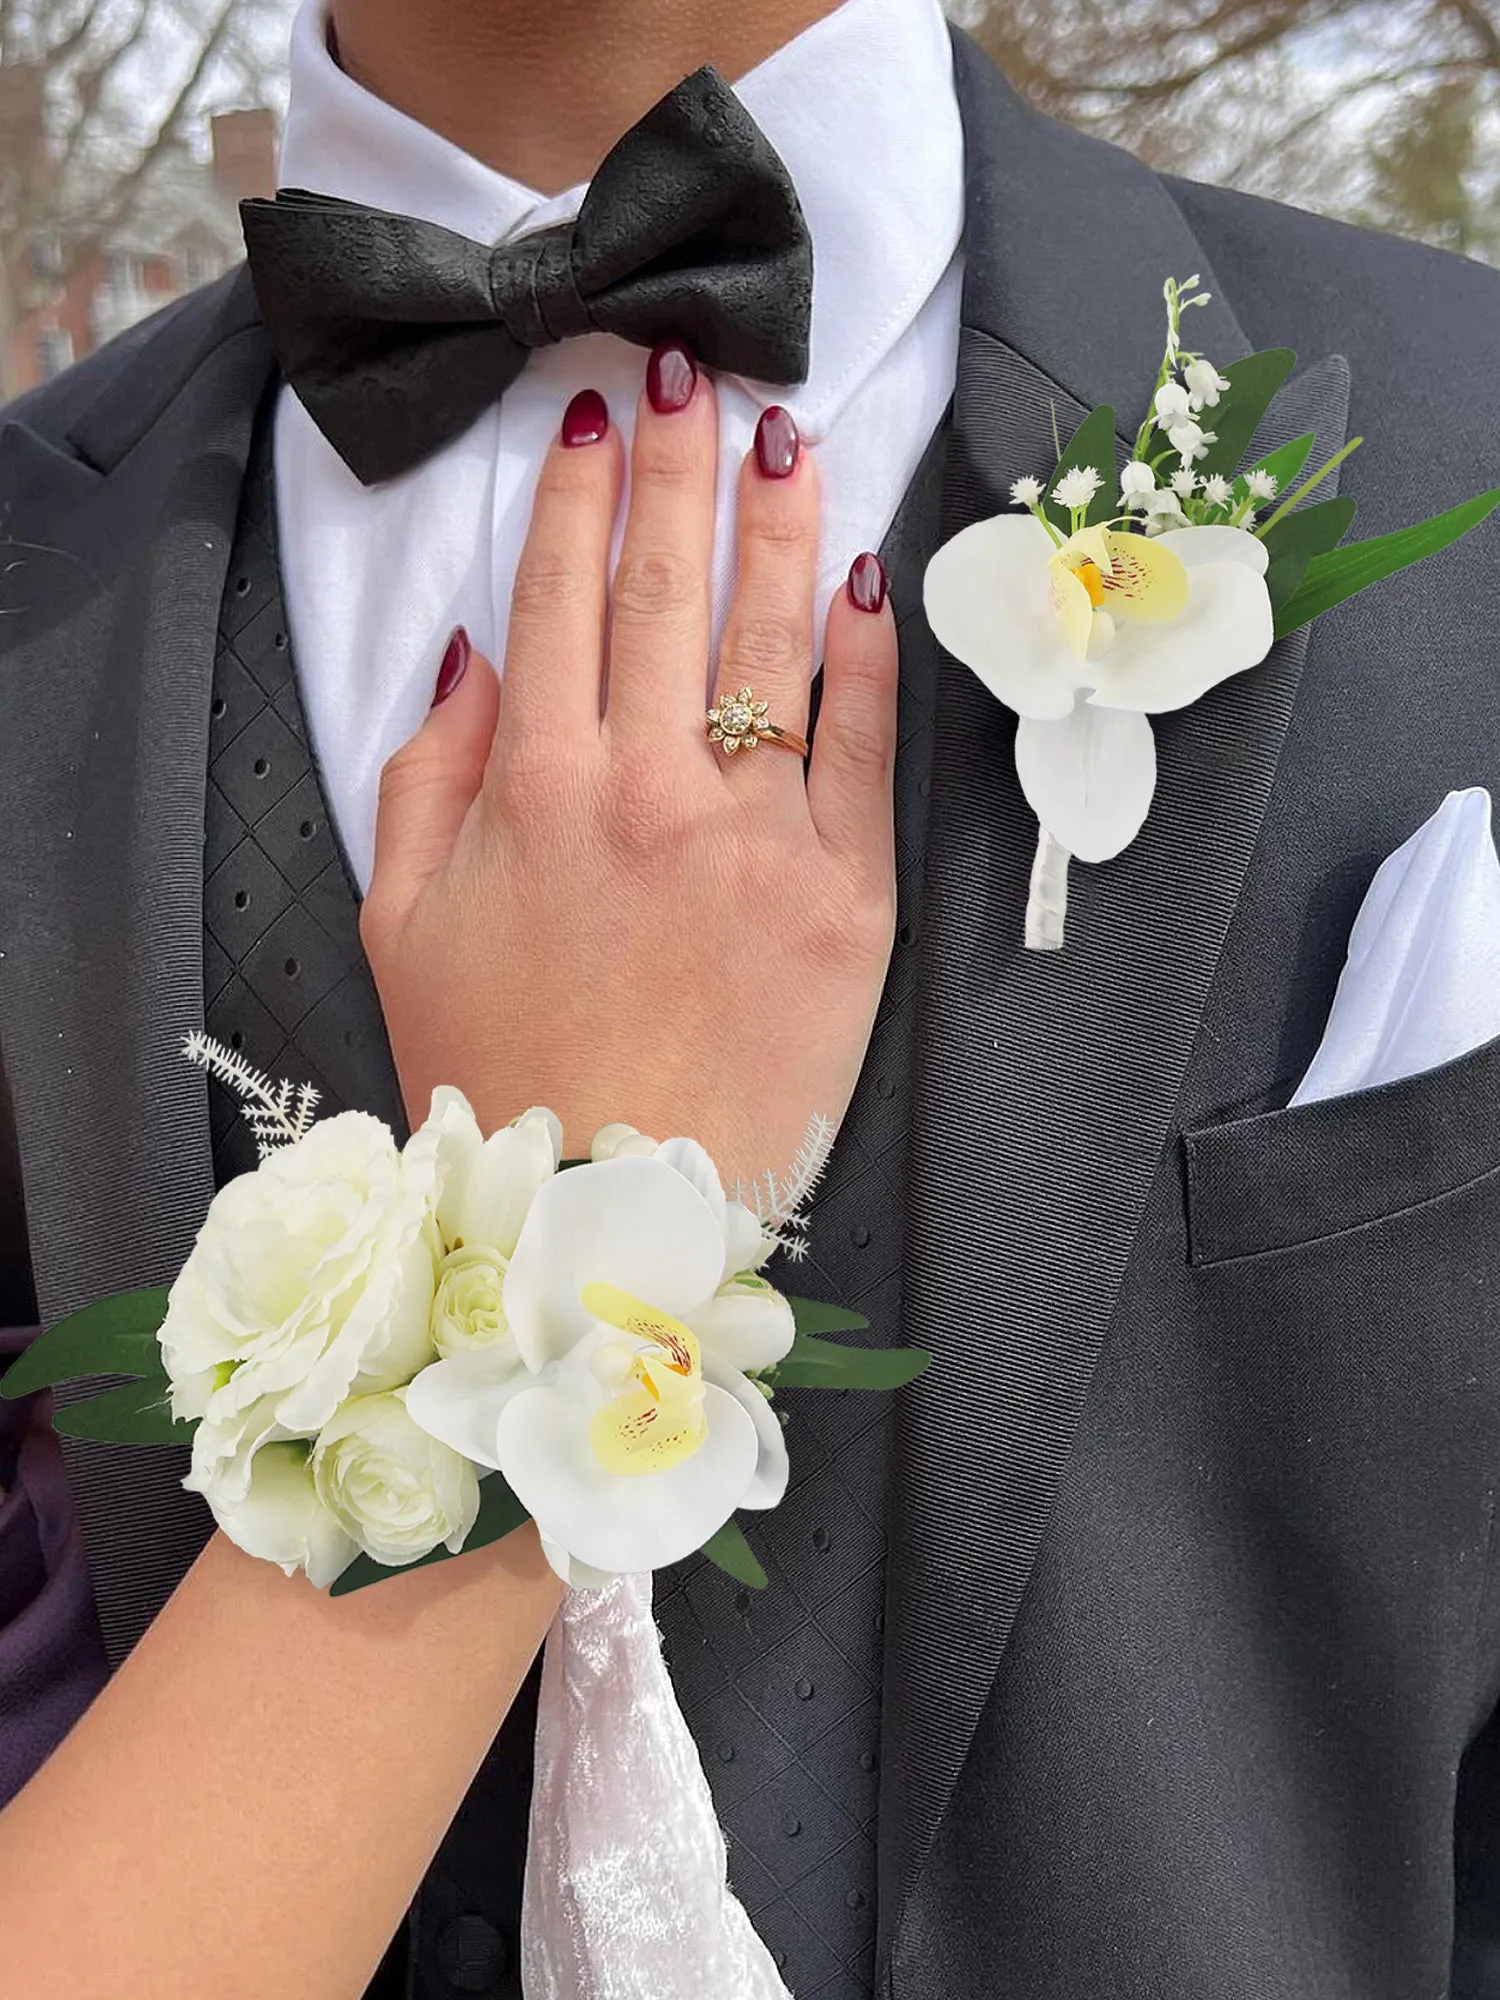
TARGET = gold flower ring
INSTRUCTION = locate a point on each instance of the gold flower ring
(739, 722)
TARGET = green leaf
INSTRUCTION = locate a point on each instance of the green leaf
(1093, 444)
(812, 1316)
(823, 1364)
(730, 1552)
(1284, 463)
(1343, 573)
(1297, 538)
(1253, 384)
(138, 1413)
(115, 1336)
(500, 1514)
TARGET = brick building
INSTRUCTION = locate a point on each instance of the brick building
(182, 231)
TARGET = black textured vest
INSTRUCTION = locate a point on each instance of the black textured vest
(782, 1688)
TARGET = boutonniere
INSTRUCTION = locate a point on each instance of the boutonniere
(1111, 596)
(385, 1355)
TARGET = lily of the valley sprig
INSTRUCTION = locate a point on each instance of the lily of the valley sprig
(1111, 596)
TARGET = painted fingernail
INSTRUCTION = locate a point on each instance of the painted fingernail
(586, 419)
(455, 666)
(671, 378)
(867, 583)
(777, 443)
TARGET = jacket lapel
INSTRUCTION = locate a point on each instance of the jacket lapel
(112, 592)
(1046, 1081)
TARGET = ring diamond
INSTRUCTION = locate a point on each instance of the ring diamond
(738, 721)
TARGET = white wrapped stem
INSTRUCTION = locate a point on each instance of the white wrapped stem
(1047, 906)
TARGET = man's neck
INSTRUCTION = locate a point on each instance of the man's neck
(541, 89)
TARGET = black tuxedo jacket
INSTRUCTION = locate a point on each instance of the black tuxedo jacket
(1193, 1632)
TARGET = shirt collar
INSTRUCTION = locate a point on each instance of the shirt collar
(860, 107)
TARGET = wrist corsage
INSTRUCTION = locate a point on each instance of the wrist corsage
(383, 1356)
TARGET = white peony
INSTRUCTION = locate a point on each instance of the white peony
(391, 1486)
(311, 1281)
(625, 1423)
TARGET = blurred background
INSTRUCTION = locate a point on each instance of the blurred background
(129, 129)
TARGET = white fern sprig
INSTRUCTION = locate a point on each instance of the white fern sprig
(780, 1201)
(279, 1113)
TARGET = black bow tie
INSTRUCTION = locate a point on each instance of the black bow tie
(396, 334)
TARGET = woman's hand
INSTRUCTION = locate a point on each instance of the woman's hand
(577, 900)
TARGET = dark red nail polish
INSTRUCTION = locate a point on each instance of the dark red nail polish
(671, 377)
(777, 443)
(455, 666)
(867, 583)
(586, 419)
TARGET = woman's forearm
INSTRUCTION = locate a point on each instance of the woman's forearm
(248, 1808)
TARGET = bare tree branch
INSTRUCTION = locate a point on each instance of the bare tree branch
(116, 87)
(1291, 98)
(93, 86)
(168, 130)
(1320, 113)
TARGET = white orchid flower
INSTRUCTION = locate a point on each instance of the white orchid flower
(624, 1420)
(1085, 640)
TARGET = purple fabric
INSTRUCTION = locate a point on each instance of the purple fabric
(51, 1653)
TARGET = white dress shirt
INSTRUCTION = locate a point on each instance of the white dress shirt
(862, 110)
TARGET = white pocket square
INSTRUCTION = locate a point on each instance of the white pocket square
(1422, 982)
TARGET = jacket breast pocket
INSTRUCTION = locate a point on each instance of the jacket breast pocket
(1300, 1176)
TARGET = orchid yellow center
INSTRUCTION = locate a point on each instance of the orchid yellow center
(1117, 576)
(1091, 577)
(656, 1419)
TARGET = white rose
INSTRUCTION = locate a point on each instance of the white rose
(280, 1518)
(469, 1309)
(311, 1281)
(390, 1486)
